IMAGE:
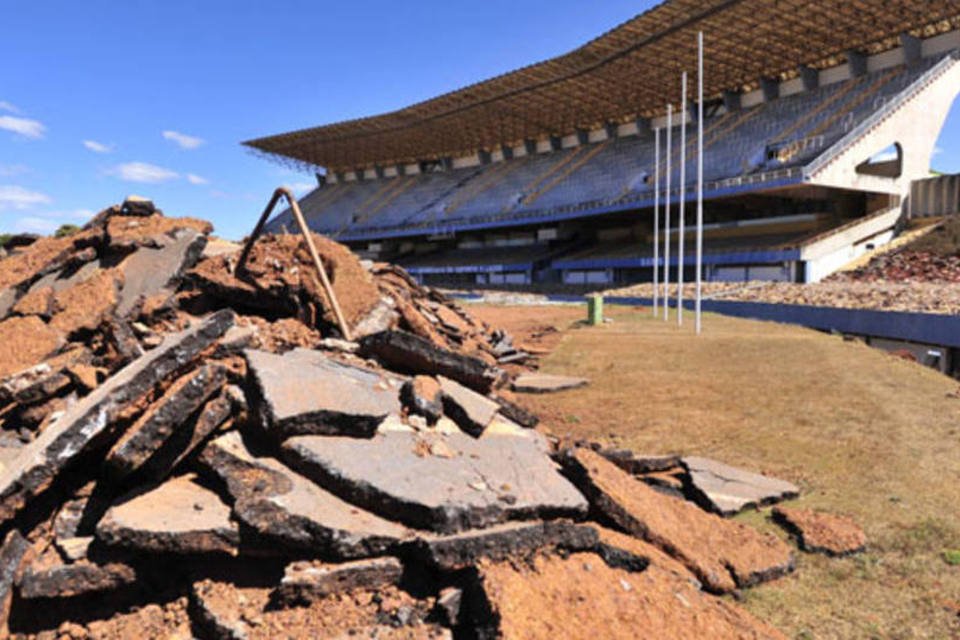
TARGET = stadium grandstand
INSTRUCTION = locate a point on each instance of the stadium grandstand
(818, 118)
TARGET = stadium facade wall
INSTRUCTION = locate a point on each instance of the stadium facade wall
(938, 196)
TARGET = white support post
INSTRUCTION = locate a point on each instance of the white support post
(699, 260)
(683, 193)
(666, 220)
(656, 221)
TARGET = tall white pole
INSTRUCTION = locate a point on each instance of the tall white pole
(666, 221)
(656, 220)
(699, 261)
(683, 193)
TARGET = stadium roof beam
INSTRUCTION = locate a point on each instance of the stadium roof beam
(912, 48)
(629, 71)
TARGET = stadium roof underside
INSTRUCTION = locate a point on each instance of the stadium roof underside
(629, 72)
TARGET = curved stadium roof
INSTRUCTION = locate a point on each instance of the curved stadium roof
(628, 72)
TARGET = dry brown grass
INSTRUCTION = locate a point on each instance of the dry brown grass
(862, 432)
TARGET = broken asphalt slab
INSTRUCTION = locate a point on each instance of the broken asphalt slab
(501, 542)
(409, 353)
(306, 392)
(477, 482)
(285, 506)
(723, 554)
(149, 270)
(819, 532)
(50, 577)
(470, 410)
(728, 490)
(305, 581)
(162, 418)
(77, 430)
(546, 383)
(11, 556)
(180, 516)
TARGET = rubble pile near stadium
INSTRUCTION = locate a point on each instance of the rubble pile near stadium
(192, 450)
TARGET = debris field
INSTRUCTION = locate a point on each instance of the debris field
(189, 449)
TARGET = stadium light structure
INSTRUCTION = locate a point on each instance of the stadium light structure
(683, 196)
(666, 220)
(656, 219)
(699, 260)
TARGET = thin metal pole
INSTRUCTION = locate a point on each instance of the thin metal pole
(683, 199)
(656, 220)
(699, 260)
(666, 220)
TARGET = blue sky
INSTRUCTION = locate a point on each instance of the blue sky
(101, 99)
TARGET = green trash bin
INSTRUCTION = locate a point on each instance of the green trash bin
(594, 310)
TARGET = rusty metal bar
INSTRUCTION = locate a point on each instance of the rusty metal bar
(283, 192)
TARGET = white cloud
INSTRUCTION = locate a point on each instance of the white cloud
(142, 172)
(8, 170)
(6, 106)
(17, 198)
(182, 140)
(97, 147)
(937, 150)
(303, 187)
(193, 178)
(23, 126)
(34, 224)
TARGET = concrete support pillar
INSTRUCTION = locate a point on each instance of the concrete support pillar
(643, 127)
(912, 48)
(556, 143)
(447, 163)
(530, 146)
(857, 60)
(612, 130)
(377, 169)
(583, 136)
(507, 151)
(321, 179)
(484, 156)
(810, 77)
(359, 174)
(340, 176)
(731, 100)
(771, 88)
(401, 169)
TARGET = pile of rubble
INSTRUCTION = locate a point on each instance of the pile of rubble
(191, 450)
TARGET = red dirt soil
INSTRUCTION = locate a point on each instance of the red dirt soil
(579, 597)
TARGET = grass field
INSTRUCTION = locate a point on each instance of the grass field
(862, 432)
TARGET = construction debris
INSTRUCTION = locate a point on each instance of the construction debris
(186, 447)
(546, 383)
(728, 490)
(819, 532)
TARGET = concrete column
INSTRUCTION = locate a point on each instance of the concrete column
(530, 146)
(583, 136)
(507, 151)
(912, 48)
(401, 169)
(556, 143)
(771, 88)
(377, 169)
(731, 100)
(810, 77)
(857, 60)
(643, 127)
(484, 156)
(612, 130)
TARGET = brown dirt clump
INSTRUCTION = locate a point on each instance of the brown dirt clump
(24, 264)
(819, 532)
(581, 597)
(723, 554)
(348, 614)
(24, 342)
(84, 306)
(37, 302)
(133, 231)
(162, 622)
(644, 549)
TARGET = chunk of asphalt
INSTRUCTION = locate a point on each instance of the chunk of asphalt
(305, 582)
(501, 542)
(449, 603)
(819, 532)
(402, 351)
(161, 419)
(283, 505)
(546, 383)
(215, 414)
(148, 270)
(722, 554)
(179, 516)
(636, 464)
(477, 482)
(728, 490)
(11, 556)
(305, 392)
(218, 620)
(421, 395)
(81, 427)
(50, 577)
(470, 410)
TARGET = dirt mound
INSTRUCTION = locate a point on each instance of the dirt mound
(192, 449)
